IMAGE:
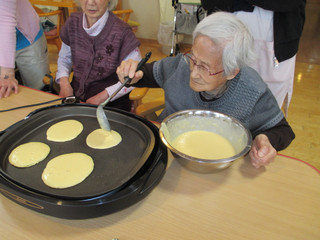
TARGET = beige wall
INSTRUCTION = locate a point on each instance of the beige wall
(147, 13)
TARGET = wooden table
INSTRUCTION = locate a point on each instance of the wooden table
(26, 96)
(281, 201)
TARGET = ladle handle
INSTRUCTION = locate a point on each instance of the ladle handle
(127, 80)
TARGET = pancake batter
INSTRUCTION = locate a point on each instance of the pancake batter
(28, 154)
(102, 139)
(203, 144)
(67, 170)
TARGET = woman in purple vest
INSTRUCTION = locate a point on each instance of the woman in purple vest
(94, 42)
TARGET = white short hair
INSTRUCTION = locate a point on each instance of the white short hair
(232, 35)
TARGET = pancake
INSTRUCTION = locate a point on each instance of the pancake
(64, 131)
(102, 139)
(28, 154)
(204, 145)
(67, 170)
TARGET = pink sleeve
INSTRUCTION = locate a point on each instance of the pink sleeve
(8, 33)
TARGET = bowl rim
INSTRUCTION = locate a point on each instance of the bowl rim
(196, 112)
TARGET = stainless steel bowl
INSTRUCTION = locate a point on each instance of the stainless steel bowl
(192, 120)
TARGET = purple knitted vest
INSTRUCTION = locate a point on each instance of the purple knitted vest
(95, 59)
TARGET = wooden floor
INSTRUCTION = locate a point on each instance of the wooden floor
(304, 110)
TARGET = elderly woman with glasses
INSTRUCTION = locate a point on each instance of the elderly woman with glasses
(215, 75)
(94, 42)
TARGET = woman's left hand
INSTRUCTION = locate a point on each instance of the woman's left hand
(262, 152)
(99, 98)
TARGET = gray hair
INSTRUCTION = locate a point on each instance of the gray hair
(229, 33)
(112, 4)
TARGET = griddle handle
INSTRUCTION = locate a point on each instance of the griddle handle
(153, 178)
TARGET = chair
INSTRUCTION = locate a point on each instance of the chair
(53, 36)
(146, 109)
(124, 15)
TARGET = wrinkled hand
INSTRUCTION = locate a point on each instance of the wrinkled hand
(7, 85)
(99, 98)
(66, 89)
(128, 68)
(262, 152)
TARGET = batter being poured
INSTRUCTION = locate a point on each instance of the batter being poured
(102, 139)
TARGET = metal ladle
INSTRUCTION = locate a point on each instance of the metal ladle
(101, 116)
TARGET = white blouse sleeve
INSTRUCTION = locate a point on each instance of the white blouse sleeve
(135, 55)
(64, 62)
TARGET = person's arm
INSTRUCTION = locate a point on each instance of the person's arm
(8, 25)
(281, 135)
(266, 144)
(64, 70)
(64, 62)
(217, 5)
(148, 79)
(8, 82)
(142, 78)
(276, 5)
(247, 5)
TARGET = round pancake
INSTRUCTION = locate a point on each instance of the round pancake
(64, 131)
(67, 170)
(28, 154)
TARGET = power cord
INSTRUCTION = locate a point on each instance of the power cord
(32, 105)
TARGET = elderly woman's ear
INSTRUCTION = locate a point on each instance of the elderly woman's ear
(233, 74)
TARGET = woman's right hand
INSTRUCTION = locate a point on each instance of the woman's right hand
(65, 88)
(8, 85)
(128, 68)
(8, 82)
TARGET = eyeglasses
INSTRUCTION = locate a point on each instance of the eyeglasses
(189, 58)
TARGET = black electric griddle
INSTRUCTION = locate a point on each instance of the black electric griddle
(117, 171)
